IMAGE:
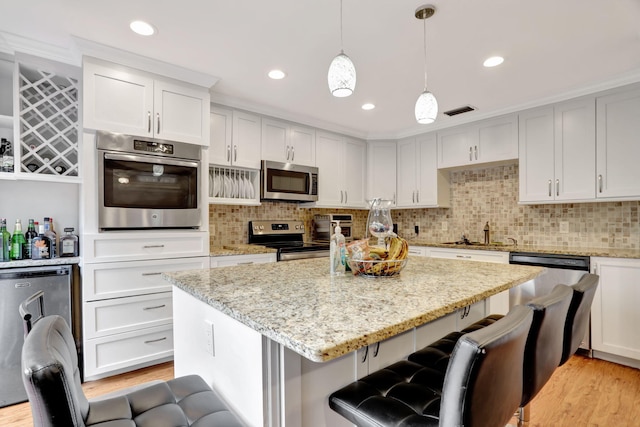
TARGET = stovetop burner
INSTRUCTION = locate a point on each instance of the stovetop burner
(287, 237)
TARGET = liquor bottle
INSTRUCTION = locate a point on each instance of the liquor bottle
(48, 231)
(29, 235)
(6, 240)
(41, 245)
(69, 243)
(17, 242)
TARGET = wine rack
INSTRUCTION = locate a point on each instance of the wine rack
(48, 122)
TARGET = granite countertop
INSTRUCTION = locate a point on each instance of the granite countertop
(240, 249)
(40, 262)
(599, 252)
(299, 305)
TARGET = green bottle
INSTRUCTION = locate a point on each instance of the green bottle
(6, 241)
(17, 242)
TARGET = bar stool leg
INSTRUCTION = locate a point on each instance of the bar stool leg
(524, 415)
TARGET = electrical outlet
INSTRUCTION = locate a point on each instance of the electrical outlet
(564, 226)
(416, 228)
(209, 338)
(445, 226)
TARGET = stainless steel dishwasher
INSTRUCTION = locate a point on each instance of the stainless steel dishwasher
(16, 285)
(561, 269)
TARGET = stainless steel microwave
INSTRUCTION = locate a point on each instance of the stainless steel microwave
(288, 182)
(147, 183)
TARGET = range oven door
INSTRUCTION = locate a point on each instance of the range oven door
(140, 191)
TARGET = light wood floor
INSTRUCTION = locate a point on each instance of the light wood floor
(582, 393)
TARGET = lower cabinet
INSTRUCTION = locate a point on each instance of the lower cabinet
(230, 260)
(128, 314)
(496, 304)
(614, 314)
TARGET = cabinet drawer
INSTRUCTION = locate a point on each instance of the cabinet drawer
(122, 351)
(115, 280)
(119, 315)
(230, 260)
(144, 246)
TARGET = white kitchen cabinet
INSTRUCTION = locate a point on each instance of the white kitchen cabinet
(126, 304)
(618, 148)
(420, 183)
(341, 163)
(495, 304)
(614, 313)
(486, 141)
(557, 152)
(125, 100)
(230, 260)
(381, 170)
(288, 143)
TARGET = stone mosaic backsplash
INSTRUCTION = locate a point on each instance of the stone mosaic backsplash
(477, 196)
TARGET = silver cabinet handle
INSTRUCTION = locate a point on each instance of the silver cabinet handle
(341, 197)
(245, 263)
(470, 153)
(158, 120)
(346, 196)
(394, 197)
(475, 150)
(600, 183)
(417, 196)
(549, 188)
(228, 153)
(148, 121)
(151, 274)
(464, 256)
(557, 187)
(293, 153)
(235, 153)
(366, 353)
(288, 150)
(413, 197)
(155, 307)
(156, 340)
(152, 246)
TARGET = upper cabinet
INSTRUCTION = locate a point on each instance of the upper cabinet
(420, 183)
(235, 138)
(381, 170)
(288, 143)
(483, 142)
(618, 145)
(341, 163)
(40, 139)
(557, 152)
(124, 100)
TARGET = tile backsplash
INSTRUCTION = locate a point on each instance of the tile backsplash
(477, 196)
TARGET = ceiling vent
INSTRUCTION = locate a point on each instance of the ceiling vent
(460, 110)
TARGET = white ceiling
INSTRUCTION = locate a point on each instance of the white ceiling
(552, 48)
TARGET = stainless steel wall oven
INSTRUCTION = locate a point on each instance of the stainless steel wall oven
(147, 183)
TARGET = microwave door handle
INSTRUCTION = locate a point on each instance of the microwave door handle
(151, 160)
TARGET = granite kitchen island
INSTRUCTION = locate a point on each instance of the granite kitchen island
(276, 339)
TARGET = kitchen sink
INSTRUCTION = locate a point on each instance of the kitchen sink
(475, 244)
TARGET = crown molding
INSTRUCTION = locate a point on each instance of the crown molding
(12, 43)
(144, 63)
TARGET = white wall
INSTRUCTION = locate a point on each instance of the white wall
(35, 199)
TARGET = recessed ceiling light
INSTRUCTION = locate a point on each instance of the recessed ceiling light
(368, 106)
(142, 28)
(493, 61)
(277, 74)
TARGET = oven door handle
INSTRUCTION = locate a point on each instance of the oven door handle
(150, 160)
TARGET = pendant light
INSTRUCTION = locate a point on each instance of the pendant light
(342, 73)
(426, 105)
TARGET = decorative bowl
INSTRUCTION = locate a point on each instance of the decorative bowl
(377, 268)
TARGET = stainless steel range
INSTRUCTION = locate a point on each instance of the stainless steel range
(287, 237)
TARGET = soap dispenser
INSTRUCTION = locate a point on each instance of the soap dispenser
(337, 250)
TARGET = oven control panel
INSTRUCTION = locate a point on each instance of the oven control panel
(276, 227)
(153, 147)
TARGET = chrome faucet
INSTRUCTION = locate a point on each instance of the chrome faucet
(515, 242)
